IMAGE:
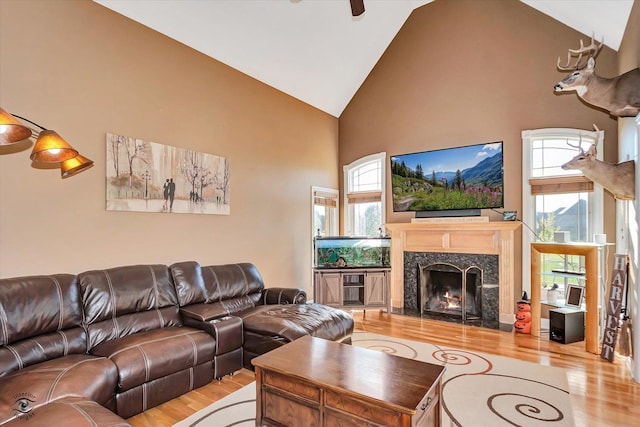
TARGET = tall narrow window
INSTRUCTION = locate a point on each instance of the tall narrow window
(558, 200)
(364, 196)
(324, 203)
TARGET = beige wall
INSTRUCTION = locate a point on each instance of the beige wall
(466, 72)
(84, 70)
(629, 52)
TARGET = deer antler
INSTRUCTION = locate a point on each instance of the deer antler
(592, 49)
(579, 146)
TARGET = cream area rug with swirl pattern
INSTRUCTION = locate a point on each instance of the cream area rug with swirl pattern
(478, 389)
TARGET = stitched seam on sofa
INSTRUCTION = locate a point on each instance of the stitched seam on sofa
(154, 341)
(195, 350)
(147, 368)
(191, 378)
(82, 412)
(112, 294)
(157, 296)
(4, 339)
(62, 373)
(17, 355)
(217, 283)
(56, 283)
(246, 281)
(144, 396)
(65, 343)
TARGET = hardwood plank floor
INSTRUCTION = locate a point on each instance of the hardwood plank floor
(602, 393)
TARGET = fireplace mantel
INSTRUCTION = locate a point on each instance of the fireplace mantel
(474, 237)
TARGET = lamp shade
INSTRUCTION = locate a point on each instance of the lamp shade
(75, 165)
(11, 130)
(51, 148)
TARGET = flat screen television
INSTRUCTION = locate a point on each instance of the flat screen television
(455, 181)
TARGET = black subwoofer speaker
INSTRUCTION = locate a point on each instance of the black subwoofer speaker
(566, 325)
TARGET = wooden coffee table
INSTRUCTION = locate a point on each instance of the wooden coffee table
(315, 382)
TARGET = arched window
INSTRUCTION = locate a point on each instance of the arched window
(364, 196)
(555, 200)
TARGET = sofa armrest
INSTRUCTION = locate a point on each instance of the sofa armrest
(202, 312)
(284, 296)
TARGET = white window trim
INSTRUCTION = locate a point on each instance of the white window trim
(381, 157)
(596, 205)
(335, 229)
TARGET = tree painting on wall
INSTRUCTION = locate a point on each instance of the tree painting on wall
(145, 176)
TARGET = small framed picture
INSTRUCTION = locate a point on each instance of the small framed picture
(575, 294)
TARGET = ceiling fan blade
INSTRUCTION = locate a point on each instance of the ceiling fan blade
(357, 7)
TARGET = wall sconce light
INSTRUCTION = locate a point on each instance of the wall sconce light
(73, 166)
(49, 147)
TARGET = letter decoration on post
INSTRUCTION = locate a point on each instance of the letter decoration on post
(614, 305)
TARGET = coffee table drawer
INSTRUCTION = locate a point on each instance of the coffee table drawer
(291, 386)
(286, 410)
(363, 410)
(428, 411)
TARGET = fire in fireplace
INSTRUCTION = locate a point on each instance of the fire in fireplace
(450, 291)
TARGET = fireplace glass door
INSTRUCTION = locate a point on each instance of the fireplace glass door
(448, 291)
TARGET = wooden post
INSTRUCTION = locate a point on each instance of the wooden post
(614, 304)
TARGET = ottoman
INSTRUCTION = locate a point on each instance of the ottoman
(267, 327)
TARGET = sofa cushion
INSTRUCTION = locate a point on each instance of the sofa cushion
(127, 300)
(146, 356)
(70, 411)
(40, 319)
(292, 321)
(218, 283)
(189, 283)
(77, 375)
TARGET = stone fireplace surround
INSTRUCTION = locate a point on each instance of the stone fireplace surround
(457, 237)
(488, 264)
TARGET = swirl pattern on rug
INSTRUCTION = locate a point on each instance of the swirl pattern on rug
(478, 390)
(485, 390)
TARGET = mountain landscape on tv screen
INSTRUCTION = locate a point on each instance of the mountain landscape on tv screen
(476, 187)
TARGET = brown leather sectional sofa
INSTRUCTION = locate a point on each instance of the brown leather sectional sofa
(101, 346)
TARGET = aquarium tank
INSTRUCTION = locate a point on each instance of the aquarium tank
(352, 252)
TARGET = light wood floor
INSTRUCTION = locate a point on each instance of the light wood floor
(602, 393)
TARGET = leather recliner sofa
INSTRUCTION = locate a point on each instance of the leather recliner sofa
(104, 345)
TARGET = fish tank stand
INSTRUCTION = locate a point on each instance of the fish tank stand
(352, 272)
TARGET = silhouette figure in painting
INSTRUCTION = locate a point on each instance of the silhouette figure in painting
(165, 188)
(171, 189)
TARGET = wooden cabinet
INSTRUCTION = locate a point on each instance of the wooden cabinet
(352, 288)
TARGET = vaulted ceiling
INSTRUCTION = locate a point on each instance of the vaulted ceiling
(314, 50)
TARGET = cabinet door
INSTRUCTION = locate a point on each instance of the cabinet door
(375, 288)
(329, 288)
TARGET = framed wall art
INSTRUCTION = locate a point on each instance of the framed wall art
(144, 176)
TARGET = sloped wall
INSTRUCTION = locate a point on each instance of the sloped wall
(467, 72)
(83, 70)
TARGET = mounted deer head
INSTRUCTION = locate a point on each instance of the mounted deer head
(620, 96)
(618, 179)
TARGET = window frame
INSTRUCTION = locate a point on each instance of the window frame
(367, 196)
(596, 199)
